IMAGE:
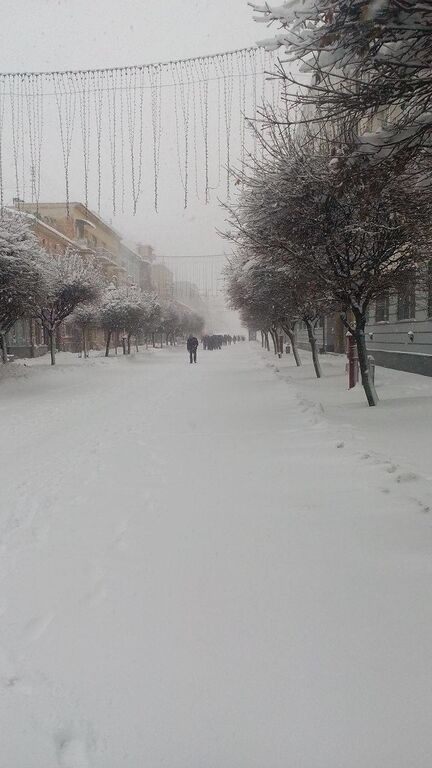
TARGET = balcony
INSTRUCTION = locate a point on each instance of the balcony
(105, 256)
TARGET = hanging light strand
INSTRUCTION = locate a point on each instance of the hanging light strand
(2, 111)
(15, 100)
(112, 132)
(210, 100)
(66, 106)
(156, 108)
(85, 120)
(202, 70)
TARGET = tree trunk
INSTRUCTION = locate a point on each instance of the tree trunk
(31, 335)
(314, 347)
(274, 340)
(52, 345)
(368, 385)
(4, 348)
(262, 338)
(292, 337)
(275, 336)
(136, 344)
(129, 343)
(108, 341)
(153, 340)
(84, 343)
(359, 336)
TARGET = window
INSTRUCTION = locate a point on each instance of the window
(382, 308)
(79, 224)
(406, 305)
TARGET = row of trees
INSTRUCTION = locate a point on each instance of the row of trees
(323, 223)
(50, 289)
(132, 313)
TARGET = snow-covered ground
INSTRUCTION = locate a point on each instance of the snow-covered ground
(213, 565)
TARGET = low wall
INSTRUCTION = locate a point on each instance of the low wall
(25, 350)
(306, 345)
(412, 362)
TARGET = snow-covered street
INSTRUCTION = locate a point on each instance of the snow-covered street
(198, 569)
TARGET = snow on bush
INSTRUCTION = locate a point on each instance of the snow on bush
(71, 280)
(22, 276)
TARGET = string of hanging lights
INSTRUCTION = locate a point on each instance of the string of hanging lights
(111, 129)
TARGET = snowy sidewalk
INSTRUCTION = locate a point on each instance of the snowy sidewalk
(399, 428)
(197, 570)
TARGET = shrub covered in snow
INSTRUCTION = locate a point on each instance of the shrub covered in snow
(179, 320)
(71, 280)
(128, 310)
(22, 276)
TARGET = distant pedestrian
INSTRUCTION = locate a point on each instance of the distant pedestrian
(192, 346)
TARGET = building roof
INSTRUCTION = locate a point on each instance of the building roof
(75, 204)
(131, 247)
(44, 225)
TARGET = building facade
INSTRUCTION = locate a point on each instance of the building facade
(137, 266)
(163, 280)
(58, 228)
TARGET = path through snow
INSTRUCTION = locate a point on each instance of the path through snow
(196, 572)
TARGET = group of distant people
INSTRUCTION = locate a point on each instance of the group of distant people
(210, 342)
(217, 341)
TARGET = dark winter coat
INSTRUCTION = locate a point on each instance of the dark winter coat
(192, 344)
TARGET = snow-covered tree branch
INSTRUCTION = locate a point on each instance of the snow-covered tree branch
(71, 280)
(367, 63)
(22, 277)
(347, 230)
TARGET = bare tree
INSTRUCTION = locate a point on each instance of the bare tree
(354, 230)
(260, 291)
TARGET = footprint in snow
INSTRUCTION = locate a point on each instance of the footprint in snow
(120, 535)
(423, 507)
(71, 751)
(37, 627)
(406, 477)
(10, 680)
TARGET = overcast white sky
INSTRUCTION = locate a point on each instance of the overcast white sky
(71, 34)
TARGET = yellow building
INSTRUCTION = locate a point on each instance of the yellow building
(26, 338)
(86, 230)
(58, 228)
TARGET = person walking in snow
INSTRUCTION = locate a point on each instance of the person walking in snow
(192, 346)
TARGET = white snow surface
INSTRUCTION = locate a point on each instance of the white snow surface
(220, 565)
